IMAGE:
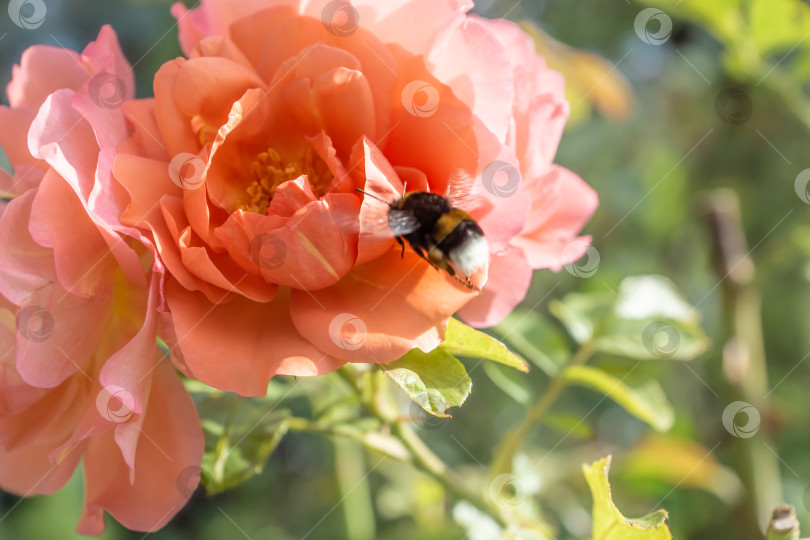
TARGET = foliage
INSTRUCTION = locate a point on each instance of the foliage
(608, 521)
(636, 367)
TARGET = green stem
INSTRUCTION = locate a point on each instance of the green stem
(428, 462)
(419, 454)
(743, 354)
(223, 447)
(515, 439)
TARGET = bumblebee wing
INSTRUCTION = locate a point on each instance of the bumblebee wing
(462, 193)
(401, 222)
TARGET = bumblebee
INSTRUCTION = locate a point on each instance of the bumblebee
(445, 236)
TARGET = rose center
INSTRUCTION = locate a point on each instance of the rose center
(269, 171)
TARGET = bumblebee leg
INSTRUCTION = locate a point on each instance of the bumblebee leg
(421, 252)
(401, 243)
(438, 260)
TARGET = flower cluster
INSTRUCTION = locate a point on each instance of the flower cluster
(225, 216)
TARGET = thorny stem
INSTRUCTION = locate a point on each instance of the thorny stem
(515, 439)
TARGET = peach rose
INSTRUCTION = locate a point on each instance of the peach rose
(81, 376)
(244, 167)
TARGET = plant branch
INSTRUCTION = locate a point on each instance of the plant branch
(428, 462)
(418, 453)
(744, 361)
(516, 438)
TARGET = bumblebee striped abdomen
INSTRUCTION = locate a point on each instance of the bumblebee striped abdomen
(447, 237)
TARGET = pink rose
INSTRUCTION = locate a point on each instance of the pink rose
(81, 375)
(243, 170)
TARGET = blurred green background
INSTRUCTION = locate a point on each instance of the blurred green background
(653, 169)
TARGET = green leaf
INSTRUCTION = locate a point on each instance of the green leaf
(461, 340)
(647, 402)
(583, 313)
(779, 25)
(722, 17)
(648, 319)
(240, 435)
(536, 339)
(435, 380)
(608, 521)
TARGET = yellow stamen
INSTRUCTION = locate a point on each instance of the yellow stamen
(205, 132)
(269, 171)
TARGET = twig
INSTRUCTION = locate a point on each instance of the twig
(516, 438)
(744, 362)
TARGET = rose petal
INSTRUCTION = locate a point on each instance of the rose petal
(43, 70)
(169, 456)
(14, 135)
(506, 287)
(562, 205)
(261, 340)
(24, 265)
(84, 264)
(474, 63)
(380, 310)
